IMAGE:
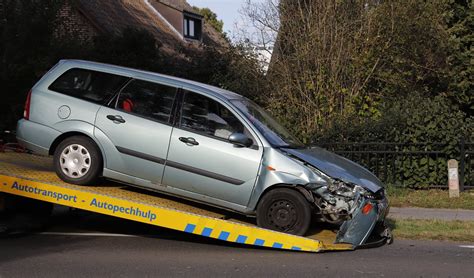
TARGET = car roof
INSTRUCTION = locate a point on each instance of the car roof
(135, 73)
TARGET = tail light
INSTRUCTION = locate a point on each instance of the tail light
(26, 112)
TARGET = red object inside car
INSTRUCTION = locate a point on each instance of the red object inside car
(127, 105)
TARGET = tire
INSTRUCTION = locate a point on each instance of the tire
(284, 210)
(78, 160)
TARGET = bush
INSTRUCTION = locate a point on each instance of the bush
(415, 119)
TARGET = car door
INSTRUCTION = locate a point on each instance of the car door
(136, 129)
(202, 160)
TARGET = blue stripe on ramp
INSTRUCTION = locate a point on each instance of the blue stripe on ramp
(277, 245)
(295, 248)
(241, 239)
(206, 232)
(224, 235)
(259, 242)
(190, 228)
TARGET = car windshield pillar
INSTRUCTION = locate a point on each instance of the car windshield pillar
(274, 132)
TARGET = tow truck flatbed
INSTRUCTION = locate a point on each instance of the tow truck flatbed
(32, 176)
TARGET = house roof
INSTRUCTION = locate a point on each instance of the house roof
(210, 36)
(114, 16)
(180, 5)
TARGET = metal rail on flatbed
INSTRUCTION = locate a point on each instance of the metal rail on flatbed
(32, 177)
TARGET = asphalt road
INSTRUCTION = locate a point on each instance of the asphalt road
(89, 245)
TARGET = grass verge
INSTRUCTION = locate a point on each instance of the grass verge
(432, 229)
(402, 197)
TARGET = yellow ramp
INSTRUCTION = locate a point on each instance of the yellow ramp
(31, 176)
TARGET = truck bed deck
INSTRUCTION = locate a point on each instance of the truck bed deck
(33, 176)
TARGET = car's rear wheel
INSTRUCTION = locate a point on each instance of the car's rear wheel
(285, 210)
(77, 160)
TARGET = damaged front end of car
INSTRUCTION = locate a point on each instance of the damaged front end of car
(359, 212)
(350, 196)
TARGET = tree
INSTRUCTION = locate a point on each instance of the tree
(349, 60)
(26, 28)
(460, 23)
(211, 18)
(316, 70)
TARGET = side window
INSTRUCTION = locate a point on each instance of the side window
(147, 99)
(89, 85)
(204, 115)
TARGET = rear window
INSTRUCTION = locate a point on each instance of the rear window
(94, 86)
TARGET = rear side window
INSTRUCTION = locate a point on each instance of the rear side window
(146, 99)
(94, 86)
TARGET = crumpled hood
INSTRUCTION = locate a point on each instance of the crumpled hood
(337, 167)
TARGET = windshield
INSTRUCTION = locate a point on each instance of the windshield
(275, 133)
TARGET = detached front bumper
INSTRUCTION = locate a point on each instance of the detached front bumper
(367, 225)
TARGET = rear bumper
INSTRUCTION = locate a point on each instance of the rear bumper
(32, 147)
(368, 228)
(35, 137)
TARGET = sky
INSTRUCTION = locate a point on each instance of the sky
(226, 10)
(229, 12)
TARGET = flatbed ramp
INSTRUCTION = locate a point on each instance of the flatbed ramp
(32, 177)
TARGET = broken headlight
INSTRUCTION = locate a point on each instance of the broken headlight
(337, 200)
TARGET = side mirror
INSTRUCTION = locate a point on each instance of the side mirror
(240, 139)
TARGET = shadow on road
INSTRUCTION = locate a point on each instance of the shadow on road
(73, 222)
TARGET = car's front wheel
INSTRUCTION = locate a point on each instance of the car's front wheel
(285, 210)
(77, 160)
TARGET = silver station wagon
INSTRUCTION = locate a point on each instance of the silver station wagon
(197, 142)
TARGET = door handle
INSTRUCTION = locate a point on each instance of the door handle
(116, 119)
(189, 141)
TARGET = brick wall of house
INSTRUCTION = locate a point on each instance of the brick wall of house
(73, 23)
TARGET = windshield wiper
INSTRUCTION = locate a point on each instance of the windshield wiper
(291, 146)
